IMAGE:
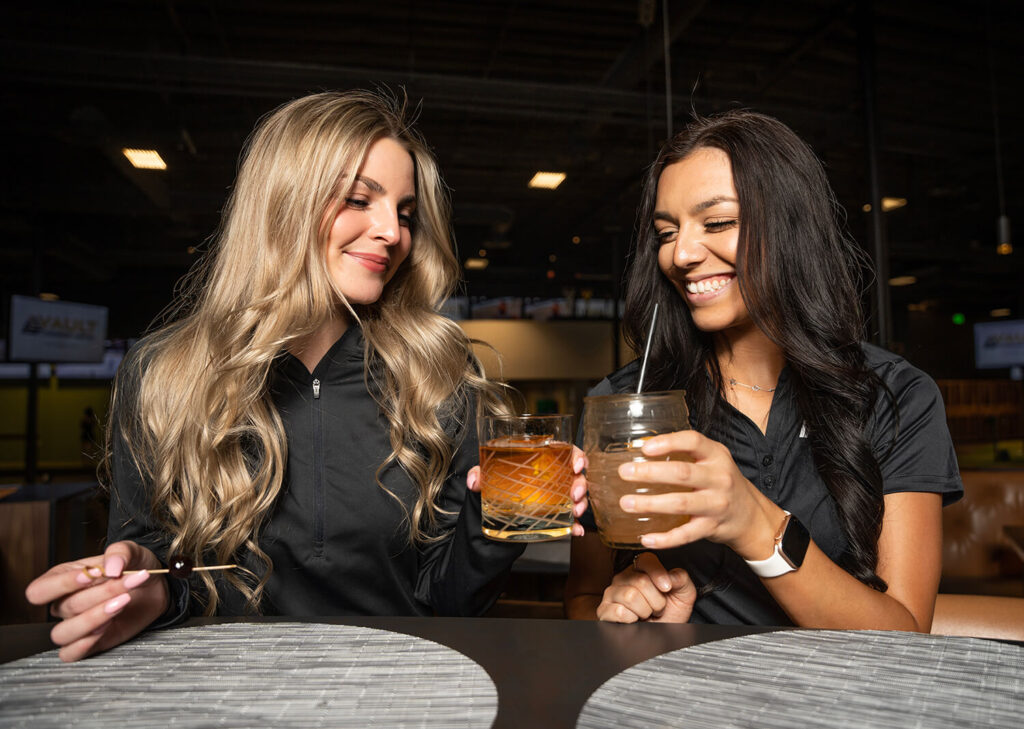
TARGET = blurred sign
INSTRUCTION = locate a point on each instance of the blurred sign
(999, 344)
(56, 331)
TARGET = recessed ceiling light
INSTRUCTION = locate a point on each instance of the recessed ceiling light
(548, 180)
(892, 203)
(145, 159)
(902, 280)
(477, 264)
(1004, 249)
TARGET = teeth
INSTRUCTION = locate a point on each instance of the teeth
(707, 285)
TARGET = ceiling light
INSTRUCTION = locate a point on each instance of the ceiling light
(552, 258)
(576, 240)
(548, 180)
(999, 312)
(476, 264)
(145, 159)
(866, 207)
(902, 280)
(892, 203)
(482, 253)
(1004, 249)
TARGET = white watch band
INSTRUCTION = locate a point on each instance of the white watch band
(776, 564)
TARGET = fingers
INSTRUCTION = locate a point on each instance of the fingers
(579, 460)
(578, 490)
(690, 442)
(82, 600)
(650, 565)
(473, 479)
(77, 636)
(635, 593)
(59, 581)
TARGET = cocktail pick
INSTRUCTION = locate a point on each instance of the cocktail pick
(179, 566)
(647, 351)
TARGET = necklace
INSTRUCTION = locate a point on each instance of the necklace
(756, 388)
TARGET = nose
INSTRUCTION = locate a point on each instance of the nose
(689, 249)
(385, 225)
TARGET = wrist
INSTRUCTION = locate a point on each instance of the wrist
(758, 540)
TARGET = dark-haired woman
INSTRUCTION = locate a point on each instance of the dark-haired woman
(820, 464)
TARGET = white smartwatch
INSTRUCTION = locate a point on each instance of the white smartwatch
(791, 543)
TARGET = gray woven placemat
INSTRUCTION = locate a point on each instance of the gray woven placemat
(819, 679)
(253, 675)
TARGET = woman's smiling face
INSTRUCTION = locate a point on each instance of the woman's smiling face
(696, 221)
(371, 235)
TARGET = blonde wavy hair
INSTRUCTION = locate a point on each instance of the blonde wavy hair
(201, 426)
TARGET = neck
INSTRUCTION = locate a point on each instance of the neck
(750, 357)
(311, 348)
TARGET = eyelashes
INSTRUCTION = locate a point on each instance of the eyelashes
(407, 220)
(662, 237)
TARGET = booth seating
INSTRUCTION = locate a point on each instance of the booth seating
(977, 558)
(979, 616)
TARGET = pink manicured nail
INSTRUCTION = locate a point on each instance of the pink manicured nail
(95, 572)
(83, 579)
(133, 581)
(113, 566)
(627, 503)
(117, 603)
(578, 465)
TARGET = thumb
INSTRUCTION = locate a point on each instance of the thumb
(682, 585)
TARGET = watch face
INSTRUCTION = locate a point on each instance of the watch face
(794, 542)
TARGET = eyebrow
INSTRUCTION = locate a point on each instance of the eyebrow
(379, 189)
(698, 208)
(710, 203)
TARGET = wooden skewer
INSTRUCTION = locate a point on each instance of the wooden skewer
(162, 571)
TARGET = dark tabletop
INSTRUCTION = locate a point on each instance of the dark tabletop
(545, 671)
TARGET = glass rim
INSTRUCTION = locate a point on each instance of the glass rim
(528, 416)
(636, 395)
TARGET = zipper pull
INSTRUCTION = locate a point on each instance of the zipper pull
(316, 389)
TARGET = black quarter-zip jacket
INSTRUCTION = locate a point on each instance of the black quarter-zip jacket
(339, 542)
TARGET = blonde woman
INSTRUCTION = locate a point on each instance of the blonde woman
(308, 414)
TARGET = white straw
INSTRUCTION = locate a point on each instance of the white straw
(647, 351)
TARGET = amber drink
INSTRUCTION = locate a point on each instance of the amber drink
(614, 430)
(526, 474)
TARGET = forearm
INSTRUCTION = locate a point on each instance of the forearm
(823, 595)
(464, 574)
(582, 606)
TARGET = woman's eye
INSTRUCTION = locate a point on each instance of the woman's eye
(355, 202)
(662, 237)
(406, 219)
(717, 226)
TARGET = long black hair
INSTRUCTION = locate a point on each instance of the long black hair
(799, 276)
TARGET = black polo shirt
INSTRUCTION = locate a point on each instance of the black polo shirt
(916, 456)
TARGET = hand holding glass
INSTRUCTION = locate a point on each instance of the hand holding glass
(526, 473)
(614, 430)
